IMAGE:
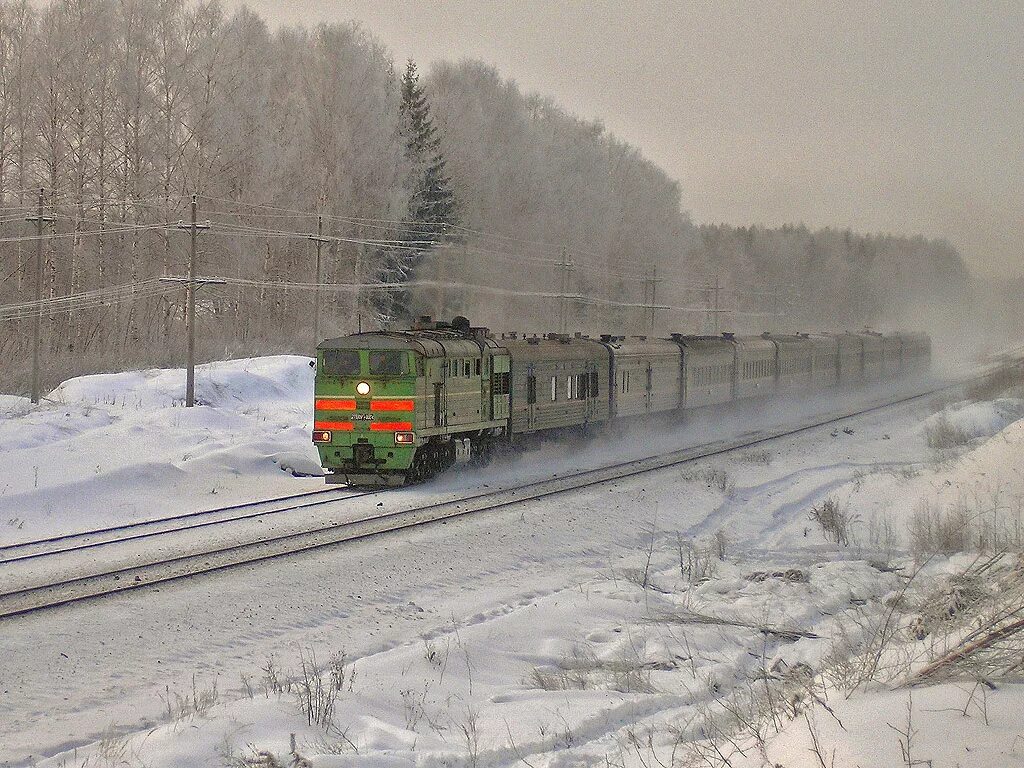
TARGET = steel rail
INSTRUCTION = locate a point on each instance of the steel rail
(36, 598)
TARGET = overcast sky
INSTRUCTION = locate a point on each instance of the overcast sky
(900, 116)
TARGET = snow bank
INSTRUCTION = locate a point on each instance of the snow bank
(117, 447)
(950, 725)
(978, 419)
(285, 381)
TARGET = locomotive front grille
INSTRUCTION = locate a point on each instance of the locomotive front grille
(362, 454)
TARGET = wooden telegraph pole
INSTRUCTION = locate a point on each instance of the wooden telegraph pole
(190, 310)
(319, 239)
(37, 322)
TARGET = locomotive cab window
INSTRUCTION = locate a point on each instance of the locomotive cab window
(388, 363)
(341, 362)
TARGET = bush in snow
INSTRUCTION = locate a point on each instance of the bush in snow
(835, 520)
(942, 433)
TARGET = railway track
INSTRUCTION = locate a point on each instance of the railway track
(162, 568)
(147, 529)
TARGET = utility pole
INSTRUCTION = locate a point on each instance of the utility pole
(37, 324)
(319, 240)
(653, 280)
(566, 265)
(714, 310)
(190, 309)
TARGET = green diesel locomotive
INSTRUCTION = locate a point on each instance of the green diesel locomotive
(397, 407)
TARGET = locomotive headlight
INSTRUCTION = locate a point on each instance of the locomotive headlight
(363, 388)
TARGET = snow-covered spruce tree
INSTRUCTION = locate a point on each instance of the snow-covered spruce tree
(432, 205)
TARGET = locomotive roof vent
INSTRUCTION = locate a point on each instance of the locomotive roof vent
(676, 336)
(578, 334)
(533, 340)
(728, 335)
(424, 323)
(460, 324)
(606, 337)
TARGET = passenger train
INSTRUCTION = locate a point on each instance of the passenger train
(394, 407)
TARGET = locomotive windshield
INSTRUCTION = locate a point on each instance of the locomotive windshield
(388, 363)
(341, 362)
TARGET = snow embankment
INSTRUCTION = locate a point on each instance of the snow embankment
(976, 420)
(942, 726)
(112, 448)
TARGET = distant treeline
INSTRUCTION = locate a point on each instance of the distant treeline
(123, 109)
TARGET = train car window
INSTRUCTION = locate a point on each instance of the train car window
(478, 366)
(650, 380)
(531, 389)
(554, 388)
(341, 362)
(593, 384)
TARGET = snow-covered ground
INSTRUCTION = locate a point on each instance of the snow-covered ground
(110, 448)
(624, 624)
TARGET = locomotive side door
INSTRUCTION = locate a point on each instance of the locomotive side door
(501, 385)
(440, 396)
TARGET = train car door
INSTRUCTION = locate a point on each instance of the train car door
(650, 386)
(590, 388)
(531, 397)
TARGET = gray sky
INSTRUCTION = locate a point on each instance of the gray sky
(902, 117)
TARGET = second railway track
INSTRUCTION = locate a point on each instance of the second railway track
(149, 528)
(163, 568)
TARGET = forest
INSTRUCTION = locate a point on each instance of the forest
(338, 189)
